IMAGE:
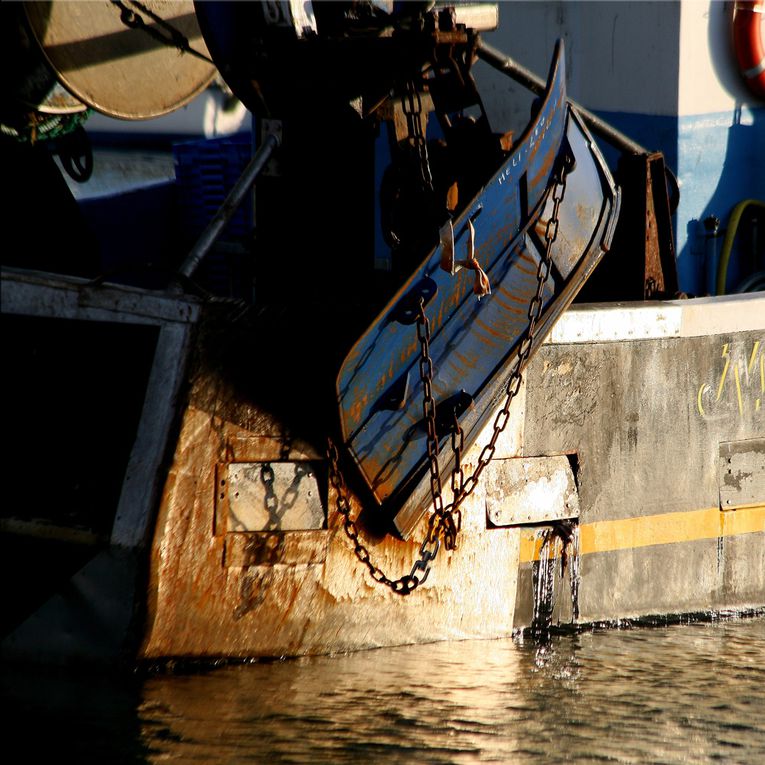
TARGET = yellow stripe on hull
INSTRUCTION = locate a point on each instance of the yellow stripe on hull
(667, 528)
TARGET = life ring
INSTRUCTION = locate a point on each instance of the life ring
(748, 44)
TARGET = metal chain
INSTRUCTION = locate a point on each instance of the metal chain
(458, 477)
(526, 344)
(270, 500)
(172, 37)
(444, 518)
(428, 549)
(411, 103)
(445, 521)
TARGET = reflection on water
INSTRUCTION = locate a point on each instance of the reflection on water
(690, 693)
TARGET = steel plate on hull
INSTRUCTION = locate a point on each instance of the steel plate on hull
(473, 341)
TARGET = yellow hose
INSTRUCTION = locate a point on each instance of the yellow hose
(730, 235)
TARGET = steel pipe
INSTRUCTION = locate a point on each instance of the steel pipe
(229, 207)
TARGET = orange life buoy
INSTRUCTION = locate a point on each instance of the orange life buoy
(748, 44)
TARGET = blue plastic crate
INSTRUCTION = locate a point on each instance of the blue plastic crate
(205, 172)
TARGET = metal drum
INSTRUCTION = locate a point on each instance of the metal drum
(125, 59)
(27, 82)
(288, 58)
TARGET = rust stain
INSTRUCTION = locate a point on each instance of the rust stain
(408, 351)
(527, 271)
(353, 354)
(481, 338)
(201, 603)
(468, 362)
(585, 213)
(525, 256)
(439, 319)
(544, 170)
(456, 366)
(507, 307)
(272, 547)
(354, 413)
(372, 466)
(494, 332)
(522, 299)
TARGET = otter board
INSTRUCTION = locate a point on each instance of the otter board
(478, 314)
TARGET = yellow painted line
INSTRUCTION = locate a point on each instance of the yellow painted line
(753, 357)
(738, 391)
(725, 370)
(664, 529)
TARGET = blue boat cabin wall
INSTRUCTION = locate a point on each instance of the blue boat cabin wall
(665, 74)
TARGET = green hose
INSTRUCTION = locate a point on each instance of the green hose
(730, 235)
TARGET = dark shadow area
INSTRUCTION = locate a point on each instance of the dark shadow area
(136, 232)
(43, 226)
(76, 716)
(127, 238)
(78, 391)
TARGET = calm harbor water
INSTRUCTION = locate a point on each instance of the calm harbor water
(692, 693)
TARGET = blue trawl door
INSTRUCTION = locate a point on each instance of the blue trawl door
(472, 339)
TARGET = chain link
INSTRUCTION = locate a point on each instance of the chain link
(428, 549)
(270, 499)
(411, 104)
(526, 344)
(443, 518)
(445, 521)
(157, 28)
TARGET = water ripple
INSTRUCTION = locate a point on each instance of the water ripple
(683, 694)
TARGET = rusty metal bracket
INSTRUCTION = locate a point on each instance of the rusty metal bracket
(641, 262)
(407, 309)
(660, 272)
